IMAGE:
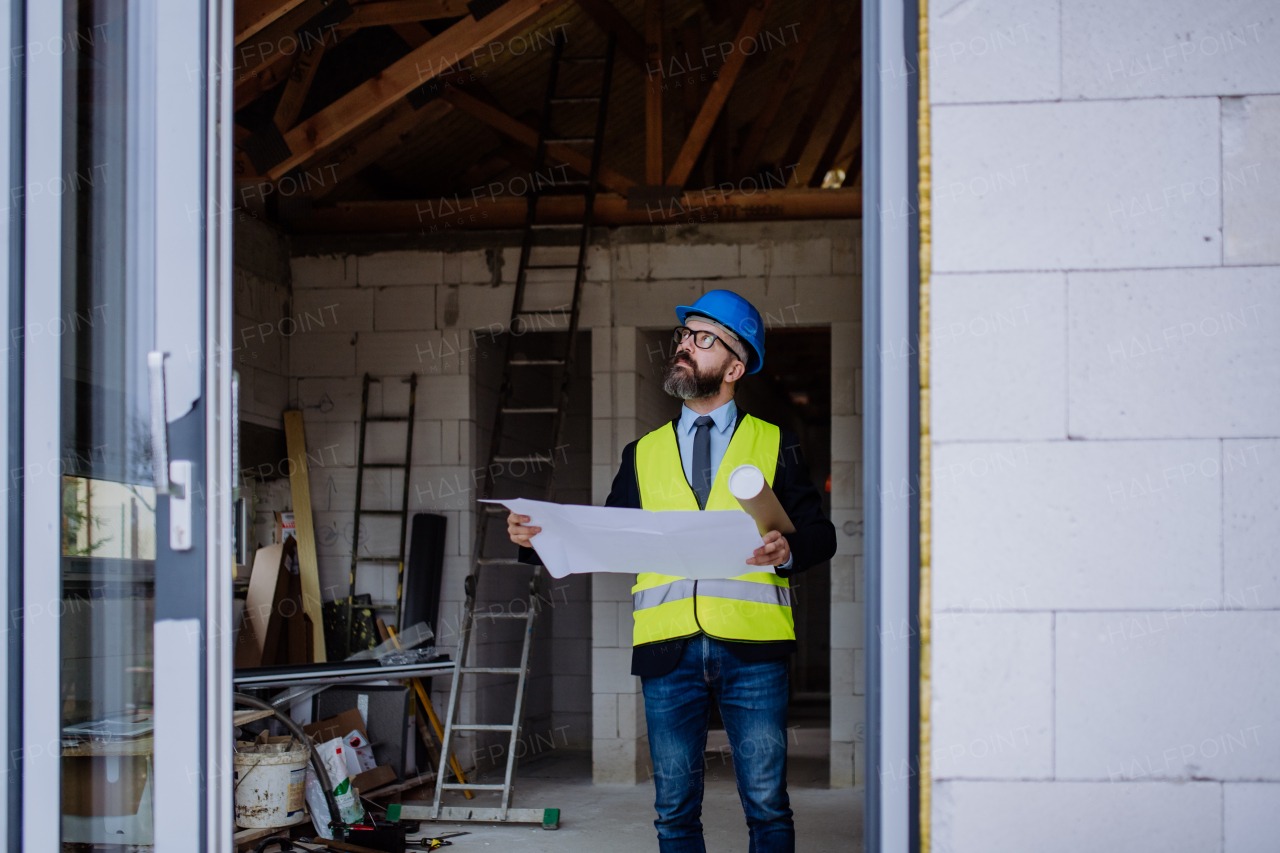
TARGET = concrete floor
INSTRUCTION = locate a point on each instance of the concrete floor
(619, 818)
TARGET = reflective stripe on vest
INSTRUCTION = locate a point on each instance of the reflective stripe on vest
(752, 607)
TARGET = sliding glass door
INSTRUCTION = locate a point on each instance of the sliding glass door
(125, 418)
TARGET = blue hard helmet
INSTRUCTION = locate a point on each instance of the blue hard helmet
(733, 312)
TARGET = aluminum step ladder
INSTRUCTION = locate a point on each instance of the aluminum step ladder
(533, 230)
(402, 512)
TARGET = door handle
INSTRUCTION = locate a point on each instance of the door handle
(171, 478)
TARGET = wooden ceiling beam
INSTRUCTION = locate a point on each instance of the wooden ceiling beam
(467, 212)
(403, 12)
(848, 48)
(653, 93)
(839, 133)
(366, 101)
(763, 122)
(609, 19)
(388, 132)
(527, 135)
(301, 76)
(251, 16)
(718, 96)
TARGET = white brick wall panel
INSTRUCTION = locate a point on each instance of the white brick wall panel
(441, 487)
(768, 259)
(332, 309)
(677, 261)
(1076, 186)
(611, 586)
(1150, 49)
(404, 308)
(397, 354)
(323, 271)
(1251, 819)
(843, 479)
(846, 256)
(1153, 723)
(848, 716)
(849, 531)
(1175, 353)
(653, 303)
(400, 268)
(599, 267)
(331, 442)
(1132, 524)
(1002, 51)
(444, 397)
(631, 262)
(998, 356)
(824, 299)
(257, 343)
(842, 672)
(474, 306)
(1067, 817)
(774, 297)
(270, 394)
(846, 438)
(322, 354)
(611, 671)
(843, 578)
(335, 398)
(1251, 521)
(1251, 179)
(604, 715)
(597, 305)
(604, 625)
(993, 696)
(847, 625)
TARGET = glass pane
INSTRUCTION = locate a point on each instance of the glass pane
(108, 501)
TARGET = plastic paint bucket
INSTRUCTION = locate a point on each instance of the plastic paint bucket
(270, 784)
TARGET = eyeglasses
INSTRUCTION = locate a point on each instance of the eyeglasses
(703, 339)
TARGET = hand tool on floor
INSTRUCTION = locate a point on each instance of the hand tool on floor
(425, 700)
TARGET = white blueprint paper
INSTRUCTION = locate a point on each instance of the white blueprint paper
(687, 543)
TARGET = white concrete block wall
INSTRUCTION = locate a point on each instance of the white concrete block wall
(389, 312)
(1105, 423)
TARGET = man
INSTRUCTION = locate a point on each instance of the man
(726, 640)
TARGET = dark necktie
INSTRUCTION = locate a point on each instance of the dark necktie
(702, 460)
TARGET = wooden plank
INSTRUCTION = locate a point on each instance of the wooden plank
(718, 95)
(839, 133)
(608, 18)
(848, 42)
(403, 12)
(301, 77)
(388, 131)
(764, 119)
(467, 213)
(366, 101)
(252, 15)
(252, 84)
(285, 36)
(527, 135)
(250, 715)
(304, 528)
(653, 93)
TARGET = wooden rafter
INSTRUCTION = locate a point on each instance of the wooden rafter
(848, 43)
(388, 132)
(527, 135)
(630, 43)
(283, 37)
(372, 97)
(839, 134)
(653, 93)
(252, 15)
(403, 12)
(299, 84)
(468, 212)
(718, 95)
(760, 127)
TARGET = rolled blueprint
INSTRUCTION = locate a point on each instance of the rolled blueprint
(746, 483)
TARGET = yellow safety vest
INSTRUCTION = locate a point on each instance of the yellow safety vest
(752, 607)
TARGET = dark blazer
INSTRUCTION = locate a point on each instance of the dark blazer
(813, 542)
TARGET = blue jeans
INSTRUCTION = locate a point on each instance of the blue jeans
(753, 704)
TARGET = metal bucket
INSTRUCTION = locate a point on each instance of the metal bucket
(270, 784)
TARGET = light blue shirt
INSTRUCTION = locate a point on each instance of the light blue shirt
(723, 421)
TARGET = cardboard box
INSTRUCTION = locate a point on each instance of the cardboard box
(340, 726)
(371, 780)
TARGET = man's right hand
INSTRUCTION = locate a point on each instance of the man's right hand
(519, 532)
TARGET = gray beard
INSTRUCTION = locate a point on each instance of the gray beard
(691, 385)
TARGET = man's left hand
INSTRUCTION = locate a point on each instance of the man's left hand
(775, 551)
